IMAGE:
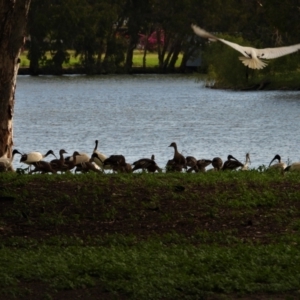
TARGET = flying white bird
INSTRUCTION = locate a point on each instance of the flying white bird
(253, 58)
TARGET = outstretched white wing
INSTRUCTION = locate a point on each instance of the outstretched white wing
(201, 32)
(270, 53)
(267, 53)
(237, 47)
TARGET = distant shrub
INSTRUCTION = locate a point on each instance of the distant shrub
(224, 67)
(284, 64)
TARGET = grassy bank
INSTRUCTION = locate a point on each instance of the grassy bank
(151, 59)
(150, 236)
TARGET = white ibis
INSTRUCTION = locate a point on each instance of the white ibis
(252, 57)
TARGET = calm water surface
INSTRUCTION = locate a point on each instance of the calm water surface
(140, 115)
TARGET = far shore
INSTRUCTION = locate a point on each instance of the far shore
(75, 71)
(262, 86)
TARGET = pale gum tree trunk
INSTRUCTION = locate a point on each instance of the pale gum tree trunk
(13, 19)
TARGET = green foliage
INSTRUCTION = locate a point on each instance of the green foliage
(115, 56)
(283, 65)
(92, 29)
(224, 68)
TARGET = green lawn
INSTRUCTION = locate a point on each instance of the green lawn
(151, 59)
(214, 235)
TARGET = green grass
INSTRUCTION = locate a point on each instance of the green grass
(152, 270)
(151, 59)
(137, 236)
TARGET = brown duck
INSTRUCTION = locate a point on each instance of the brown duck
(191, 161)
(217, 163)
(72, 163)
(118, 164)
(200, 165)
(43, 167)
(146, 164)
(88, 166)
(178, 158)
(59, 164)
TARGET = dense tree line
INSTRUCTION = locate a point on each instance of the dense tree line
(104, 33)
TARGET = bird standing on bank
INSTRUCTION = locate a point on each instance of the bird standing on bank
(278, 166)
(178, 162)
(118, 163)
(293, 167)
(59, 164)
(6, 163)
(232, 163)
(148, 164)
(100, 157)
(217, 163)
(252, 57)
(31, 157)
(245, 167)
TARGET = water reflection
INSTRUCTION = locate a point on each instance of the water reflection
(140, 115)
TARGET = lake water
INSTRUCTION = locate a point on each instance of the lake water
(140, 115)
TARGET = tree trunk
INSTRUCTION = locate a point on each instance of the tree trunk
(175, 54)
(145, 50)
(13, 16)
(35, 55)
(129, 55)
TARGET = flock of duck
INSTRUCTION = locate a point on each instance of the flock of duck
(98, 162)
